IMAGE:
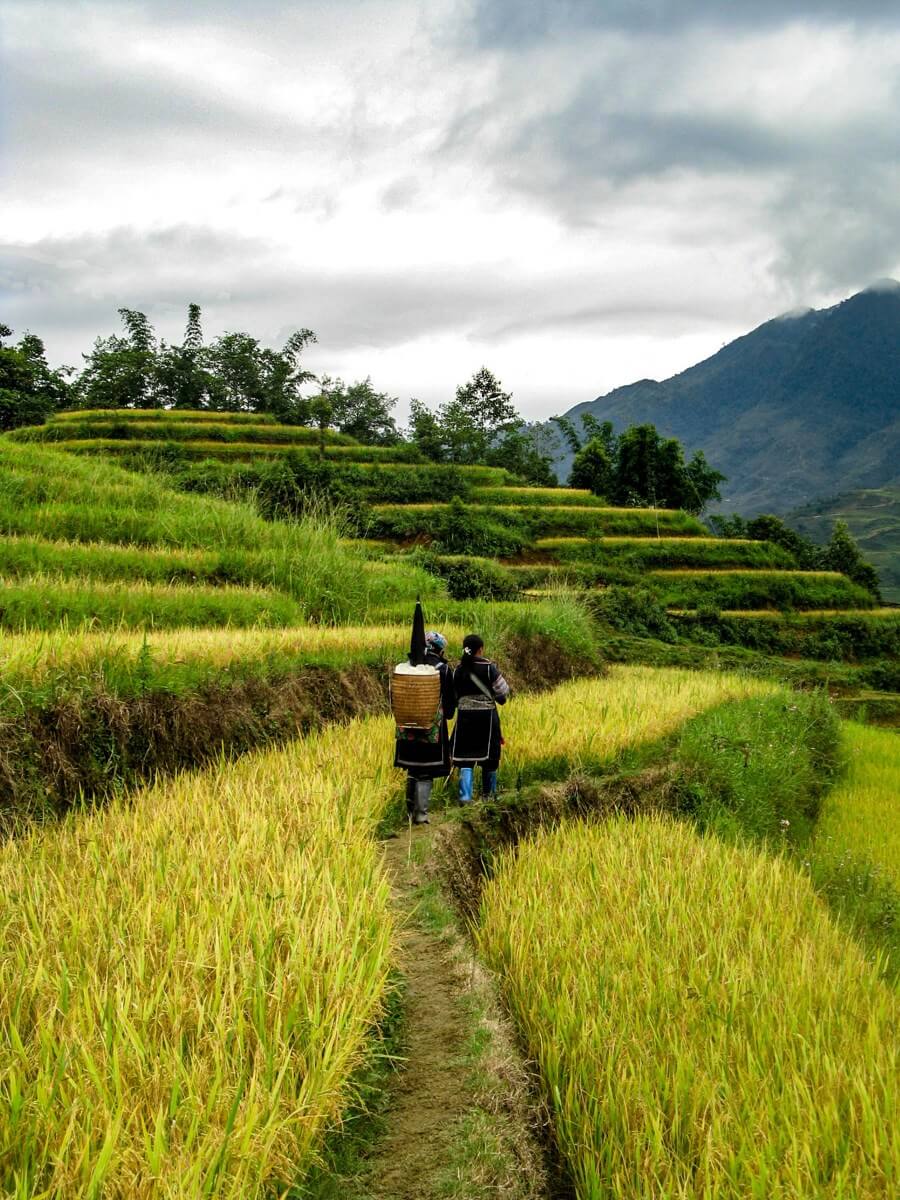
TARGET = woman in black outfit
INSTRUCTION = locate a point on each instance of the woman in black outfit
(425, 754)
(477, 738)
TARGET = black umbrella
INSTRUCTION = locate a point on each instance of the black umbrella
(417, 641)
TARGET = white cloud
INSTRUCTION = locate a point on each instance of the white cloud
(575, 202)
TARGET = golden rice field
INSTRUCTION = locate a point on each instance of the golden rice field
(39, 655)
(187, 979)
(701, 1026)
(861, 816)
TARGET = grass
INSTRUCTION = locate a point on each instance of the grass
(167, 415)
(763, 589)
(48, 496)
(806, 615)
(244, 451)
(855, 857)
(860, 816)
(44, 602)
(152, 428)
(537, 495)
(550, 737)
(187, 982)
(36, 666)
(651, 553)
(535, 521)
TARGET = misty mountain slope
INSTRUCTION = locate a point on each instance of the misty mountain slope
(804, 406)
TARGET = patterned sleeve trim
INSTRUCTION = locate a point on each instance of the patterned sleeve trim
(500, 688)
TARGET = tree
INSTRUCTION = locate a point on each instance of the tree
(425, 431)
(360, 411)
(470, 426)
(183, 379)
(248, 377)
(769, 528)
(842, 554)
(703, 482)
(121, 372)
(594, 469)
(522, 451)
(29, 389)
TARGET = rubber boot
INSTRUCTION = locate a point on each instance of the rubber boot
(423, 795)
(489, 784)
(466, 780)
(410, 796)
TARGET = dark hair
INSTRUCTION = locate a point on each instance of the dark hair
(472, 645)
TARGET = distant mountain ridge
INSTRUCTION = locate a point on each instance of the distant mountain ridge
(806, 405)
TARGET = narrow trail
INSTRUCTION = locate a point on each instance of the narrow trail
(431, 1089)
(463, 1122)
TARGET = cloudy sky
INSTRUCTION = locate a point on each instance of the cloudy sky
(577, 193)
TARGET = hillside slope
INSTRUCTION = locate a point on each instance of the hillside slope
(804, 406)
(873, 517)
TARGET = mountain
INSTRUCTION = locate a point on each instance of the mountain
(805, 406)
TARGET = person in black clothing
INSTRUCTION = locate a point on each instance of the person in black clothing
(477, 738)
(425, 754)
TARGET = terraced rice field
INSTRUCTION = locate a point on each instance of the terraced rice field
(701, 1026)
(145, 1054)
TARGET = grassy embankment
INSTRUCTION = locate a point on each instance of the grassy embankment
(120, 524)
(141, 1052)
(779, 590)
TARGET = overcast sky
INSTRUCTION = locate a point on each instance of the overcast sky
(576, 193)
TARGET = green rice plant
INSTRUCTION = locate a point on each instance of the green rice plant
(46, 494)
(187, 982)
(855, 857)
(701, 1026)
(152, 429)
(44, 602)
(532, 521)
(859, 817)
(839, 636)
(522, 496)
(653, 553)
(169, 415)
(237, 451)
(741, 589)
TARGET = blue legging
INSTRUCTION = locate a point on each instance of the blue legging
(467, 781)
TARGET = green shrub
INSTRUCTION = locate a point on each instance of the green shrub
(473, 578)
(636, 610)
(759, 767)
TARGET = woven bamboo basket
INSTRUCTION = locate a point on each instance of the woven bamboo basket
(415, 699)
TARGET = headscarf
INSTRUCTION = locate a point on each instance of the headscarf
(435, 641)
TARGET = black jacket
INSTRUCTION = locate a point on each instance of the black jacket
(477, 736)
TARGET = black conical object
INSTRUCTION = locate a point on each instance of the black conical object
(417, 641)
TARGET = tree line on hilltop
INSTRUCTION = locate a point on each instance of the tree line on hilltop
(236, 373)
